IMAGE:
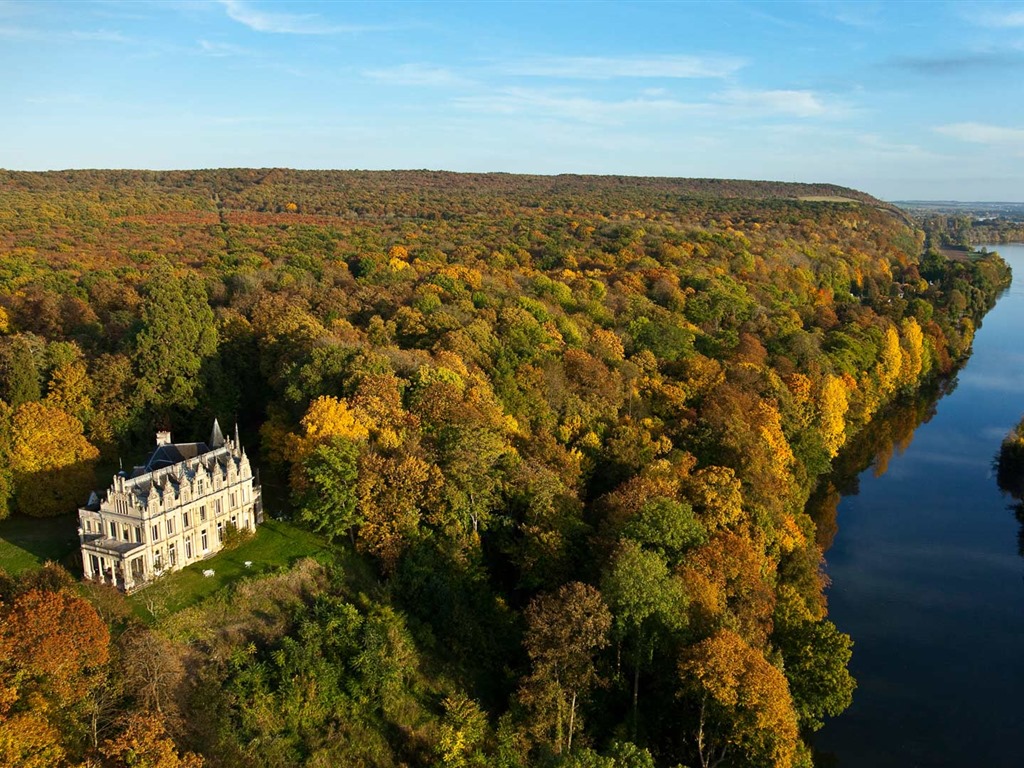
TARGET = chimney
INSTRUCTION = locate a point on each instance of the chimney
(163, 438)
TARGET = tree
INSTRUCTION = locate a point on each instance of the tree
(19, 370)
(177, 334)
(646, 601)
(144, 743)
(565, 630)
(463, 730)
(51, 460)
(743, 703)
(832, 407)
(325, 492)
(69, 390)
(394, 492)
(667, 526)
(53, 652)
(56, 640)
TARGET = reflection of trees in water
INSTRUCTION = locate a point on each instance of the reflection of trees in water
(889, 433)
(1010, 474)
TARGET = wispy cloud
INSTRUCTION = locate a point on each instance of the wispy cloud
(983, 133)
(955, 64)
(417, 74)
(1002, 18)
(283, 23)
(606, 68)
(859, 15)
(30, 34)
(780, 102)
(553, 104)
(221, 50)
(57, 99)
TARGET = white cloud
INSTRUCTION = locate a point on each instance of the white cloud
(1003, 19)
(58, 36)
(982, 133)
(554, 104)
(781, 102)
(416, 74)
(606, 68)
(220, 50)
(283, 23)
(59, 98)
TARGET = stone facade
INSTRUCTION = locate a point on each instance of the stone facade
(171, 512)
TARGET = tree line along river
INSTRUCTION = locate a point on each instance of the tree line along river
(927, 576)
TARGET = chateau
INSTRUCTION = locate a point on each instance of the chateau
(171, 512)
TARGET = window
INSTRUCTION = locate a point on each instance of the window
(158, 560)
(217, 506)
(199, 487)
(156, 532)
(234, 500)
(113, 530)
(206, 545)
(184, 519)
(138, 534)
(202, 514)
(127, 533)
(170, 526)
(188, 547)
(220, 532)
(172, 555)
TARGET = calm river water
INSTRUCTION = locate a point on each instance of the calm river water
(928, 579)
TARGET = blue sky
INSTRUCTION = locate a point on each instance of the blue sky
(900, 99)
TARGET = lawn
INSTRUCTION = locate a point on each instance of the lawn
(275, 545)
(28, 542)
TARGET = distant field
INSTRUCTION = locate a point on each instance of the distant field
(276, 544)
(827, 199)
(28, 542)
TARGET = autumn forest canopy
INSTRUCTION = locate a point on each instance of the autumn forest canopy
(557, 434)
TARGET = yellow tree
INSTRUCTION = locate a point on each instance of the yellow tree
(70, 390)
(832, 407)
(915, 358)
(743, 703)
(144, 743)
(329, 417)
(51, 460)
(717, 496)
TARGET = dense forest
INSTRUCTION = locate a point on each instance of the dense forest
(558, 435)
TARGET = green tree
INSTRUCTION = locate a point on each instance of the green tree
(647, 601)
(325, 492)
(19, 371)
(815, 656)
(176, 335)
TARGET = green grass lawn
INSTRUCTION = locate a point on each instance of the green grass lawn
(276, 544)
(28, 542)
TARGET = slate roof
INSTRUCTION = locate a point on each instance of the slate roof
(173, 453)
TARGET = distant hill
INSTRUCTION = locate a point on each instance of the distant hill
(237, 179)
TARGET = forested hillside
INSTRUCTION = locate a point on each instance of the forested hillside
(559, 433)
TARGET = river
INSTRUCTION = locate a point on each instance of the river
(928, 579)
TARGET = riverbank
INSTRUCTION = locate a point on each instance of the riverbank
(926, 574)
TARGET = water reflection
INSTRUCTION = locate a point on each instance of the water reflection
(926, 569)
(890, 433)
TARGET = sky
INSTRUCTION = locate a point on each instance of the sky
(904, 100)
